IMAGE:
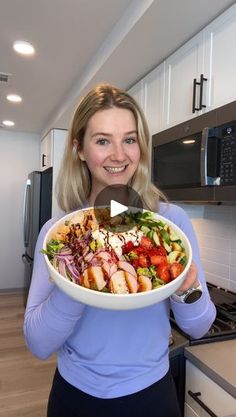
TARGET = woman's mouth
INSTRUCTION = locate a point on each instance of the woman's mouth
(116, 170)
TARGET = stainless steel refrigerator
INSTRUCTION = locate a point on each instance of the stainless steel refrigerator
(37, 210)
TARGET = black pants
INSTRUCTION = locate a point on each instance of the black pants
(158, 400)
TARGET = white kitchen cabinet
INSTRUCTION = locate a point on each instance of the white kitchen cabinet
(46, 151)
(189, 412)
(153, 96)
(220, 59)
(149, 93)
(52, 149)
(181, 68)
(166, 93)
(137, 92)
(211, 394)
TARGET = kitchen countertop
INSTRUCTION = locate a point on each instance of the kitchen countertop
(217, 361)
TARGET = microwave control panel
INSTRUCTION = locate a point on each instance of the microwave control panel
(228, 155)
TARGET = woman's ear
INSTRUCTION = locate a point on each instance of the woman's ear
(76, 149)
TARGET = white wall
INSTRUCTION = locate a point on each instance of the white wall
(215, 227)
(19, 155)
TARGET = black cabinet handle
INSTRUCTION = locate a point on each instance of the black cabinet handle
(194, 396)
(195, 83)
(43, 160)
(202, 79)
(200, 83)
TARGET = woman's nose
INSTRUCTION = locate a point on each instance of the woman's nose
(118, 153)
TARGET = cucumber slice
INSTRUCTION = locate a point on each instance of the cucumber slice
(156, 239)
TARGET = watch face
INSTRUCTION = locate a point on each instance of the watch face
(193, 296)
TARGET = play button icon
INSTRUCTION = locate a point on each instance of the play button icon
(117, 208)
(119, 200)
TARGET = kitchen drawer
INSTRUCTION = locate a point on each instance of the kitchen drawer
(211, 394)
(189, 412)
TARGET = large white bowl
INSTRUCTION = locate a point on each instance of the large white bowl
(118, 301)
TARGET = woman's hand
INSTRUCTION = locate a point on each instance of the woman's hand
(191, 280)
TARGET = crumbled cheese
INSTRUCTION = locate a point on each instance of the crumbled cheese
(117, 240)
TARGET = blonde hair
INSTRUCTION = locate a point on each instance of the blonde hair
(74, 180)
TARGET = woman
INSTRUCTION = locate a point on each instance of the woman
(110, 363)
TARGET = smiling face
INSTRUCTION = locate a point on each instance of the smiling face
(110, 148)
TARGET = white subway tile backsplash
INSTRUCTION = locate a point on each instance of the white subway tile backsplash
(218, 281)
(216, 268)
(233, 274)
(215, 227)
(233, 246)
(232, 286)
(215, 255)
(232, 261)
(206, 241)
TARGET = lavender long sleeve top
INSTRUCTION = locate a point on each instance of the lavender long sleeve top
(108, 353)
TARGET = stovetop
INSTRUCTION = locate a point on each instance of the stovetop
(224, 326)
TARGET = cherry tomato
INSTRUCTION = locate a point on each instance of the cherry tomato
(128, 247)
(175, 269)
(143, 261)
(146, 243)
(157, 259)
(163, 272)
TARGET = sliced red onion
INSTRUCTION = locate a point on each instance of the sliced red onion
(73, 271)
(89, 257)
(62, 268)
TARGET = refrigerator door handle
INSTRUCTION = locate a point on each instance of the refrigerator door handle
(26, 212)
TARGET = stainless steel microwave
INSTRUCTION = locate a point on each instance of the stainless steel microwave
(196, 161)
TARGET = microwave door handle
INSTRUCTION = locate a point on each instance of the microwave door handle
(26, 213)
(203, 160)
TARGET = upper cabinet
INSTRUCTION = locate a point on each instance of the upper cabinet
(220, 59)
(137, 93)
(182, 93)
(46, 151)
(153, 98)
(149, 94)
(52, 150)
(200, 76)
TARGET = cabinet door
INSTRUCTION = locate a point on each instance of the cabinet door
(189, 412)
(220, 59)
(181, 68)
(211, 394)
(137, 92)
(46, 151)
(153, 85)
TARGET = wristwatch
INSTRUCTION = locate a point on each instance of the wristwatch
(189, 296)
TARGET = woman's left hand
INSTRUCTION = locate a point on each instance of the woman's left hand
(191, 280)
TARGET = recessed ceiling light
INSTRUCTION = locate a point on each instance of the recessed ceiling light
(24, 48)
(14, 98)
(8, 123)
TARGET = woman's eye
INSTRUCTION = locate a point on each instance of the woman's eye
(130, 140)
(102, 141)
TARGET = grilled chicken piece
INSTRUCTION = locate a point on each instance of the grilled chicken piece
(131, 281)
(118, 283)
(144, 283)
(126, 266)
(122, 282)
(93, 278)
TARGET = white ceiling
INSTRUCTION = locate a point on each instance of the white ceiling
(81, 42)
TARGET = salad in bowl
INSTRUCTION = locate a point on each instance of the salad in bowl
(130, 261)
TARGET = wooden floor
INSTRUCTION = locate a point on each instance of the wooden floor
(25, 381)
